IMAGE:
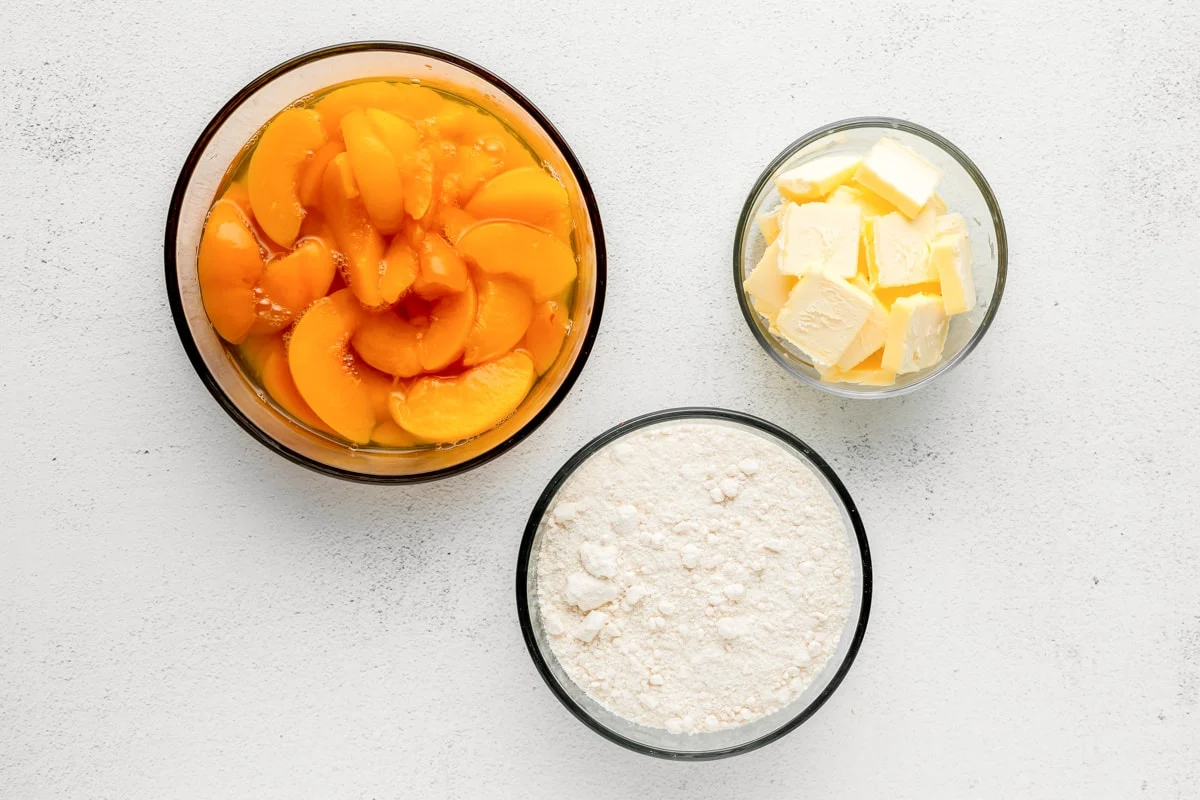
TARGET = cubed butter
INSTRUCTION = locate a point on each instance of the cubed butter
(950, 223)
(868, 373)
(926, 221)
(951, 257)
(814, 179)
(819, 237)
(869, 338)
(767, 287)
(898, 175)
(900, 252)
(872, 205)
(916, 334)
(768, 223)
(890, 294)
(822, 316)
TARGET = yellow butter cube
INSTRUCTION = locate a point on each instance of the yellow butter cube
(872, 205)
(899, 175)
(950, 223)
(869, 338)
(768, 223)
(819, 237)
(916, 334)
(951, 256)
(900, 252)
(822, 316)
(814, 179)
(767, 287)
(869, 372)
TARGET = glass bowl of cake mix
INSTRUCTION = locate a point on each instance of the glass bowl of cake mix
(694, 583)
(870, 257)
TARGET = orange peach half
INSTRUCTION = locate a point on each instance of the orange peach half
(357, 239)
(274, 174)
(528, 194)
(504, 312)
(229, 266)
(325, 372)
(376, 171)
(452, 409)
(546, 333)
(527, 253)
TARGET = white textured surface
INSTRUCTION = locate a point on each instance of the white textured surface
(186, 614)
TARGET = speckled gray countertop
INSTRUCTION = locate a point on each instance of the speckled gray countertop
(185, 614)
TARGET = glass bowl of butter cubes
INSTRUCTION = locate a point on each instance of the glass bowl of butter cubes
(870, 257)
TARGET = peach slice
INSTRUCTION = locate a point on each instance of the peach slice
(325, 373)
(454, 222)
(442, 269)
(389, 343)
(292, 283)
(309, 190)
(229, 266)
(414, 162)
(450, 321)
(523, 251)
(452, 409)
(399, 269)
(376, 171)
(546, 334)
(277, 382)
(359, 242)
(473, 168)
(255, 349)
(528, 194)
(505, 311)
(274, 174)
(418, 182)
(357, 96)
(389, 434)
(379, 387)
(417, 102)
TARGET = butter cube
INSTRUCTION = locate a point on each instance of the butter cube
(872, 205)
(926, 221)
(768, 288)
(951, 257)
(950, 223)
(869, 338)
(916, 334)
(822, 316)
(900, 252)
(768, 223)
(868, 373)
(819, 237)
(898, 175)
(814, 179)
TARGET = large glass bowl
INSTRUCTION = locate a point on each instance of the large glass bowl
(206, 166)
(712, 744)
(964, 189)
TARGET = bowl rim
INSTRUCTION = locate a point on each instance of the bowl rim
(176, 302)
(525, 552)
(746, 219)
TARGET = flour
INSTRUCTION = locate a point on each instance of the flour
(694, 576)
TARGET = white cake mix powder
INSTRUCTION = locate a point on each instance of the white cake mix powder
(694, 576)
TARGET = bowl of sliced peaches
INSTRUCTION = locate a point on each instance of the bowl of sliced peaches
(384, 262)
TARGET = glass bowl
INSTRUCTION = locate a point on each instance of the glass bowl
(964, 189)
(203, 172)
(710, 744)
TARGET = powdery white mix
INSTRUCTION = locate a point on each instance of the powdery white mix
(694, 576)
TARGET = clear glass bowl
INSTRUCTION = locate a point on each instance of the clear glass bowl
(714, 744)
(964, 189)
(203, 172)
